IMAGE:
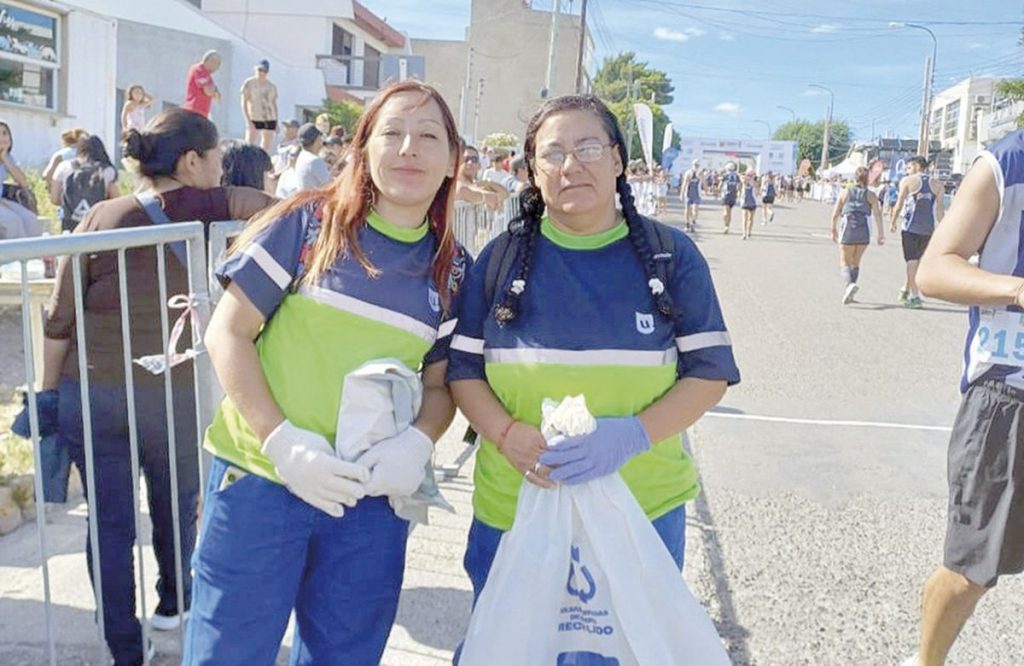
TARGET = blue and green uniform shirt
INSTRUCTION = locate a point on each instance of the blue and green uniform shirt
(588, 325)
(316, 334)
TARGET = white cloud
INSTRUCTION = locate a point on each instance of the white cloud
(731, 108)
(826, 28)
(726, 36)
(670, 35)
(677, 35)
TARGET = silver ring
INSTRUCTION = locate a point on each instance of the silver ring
(536, 467)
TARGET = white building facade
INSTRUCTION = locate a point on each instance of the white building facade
(958, 116)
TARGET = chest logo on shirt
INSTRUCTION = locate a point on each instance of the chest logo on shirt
(434, 299)
(645, 323)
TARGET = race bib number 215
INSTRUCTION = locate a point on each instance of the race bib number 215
(1000, 338)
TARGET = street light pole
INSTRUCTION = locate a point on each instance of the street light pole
(791, 111)
(929, 83)
(766, 124)
(828, 124)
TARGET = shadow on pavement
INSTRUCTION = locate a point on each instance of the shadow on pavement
(435, 616)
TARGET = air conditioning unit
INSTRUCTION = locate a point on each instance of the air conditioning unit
(981, 100)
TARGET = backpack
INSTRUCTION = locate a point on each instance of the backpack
(84, 187)
(506, 249)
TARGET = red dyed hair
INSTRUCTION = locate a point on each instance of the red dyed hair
(345, 203)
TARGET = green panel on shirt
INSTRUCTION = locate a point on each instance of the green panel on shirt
(661, 479)
(305, 351)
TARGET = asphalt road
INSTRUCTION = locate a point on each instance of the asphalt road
(816, 534)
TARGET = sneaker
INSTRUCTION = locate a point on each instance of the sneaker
(851, 291)
(913, 660)
(904, 296)
(915, 303)
(725, 230)
(161, 622)
(771, 216)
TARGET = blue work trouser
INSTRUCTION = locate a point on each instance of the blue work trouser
(111, 500)
(263, 552)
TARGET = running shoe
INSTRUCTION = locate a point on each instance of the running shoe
(771, 216)
(725, 230)
(913, 660)
(851, 291)
(161, 622)
(904, 296)
(915, 303)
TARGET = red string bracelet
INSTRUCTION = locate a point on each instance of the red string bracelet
(504, 433)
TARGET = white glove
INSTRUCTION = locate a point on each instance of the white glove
(306, 463)
(397, 464)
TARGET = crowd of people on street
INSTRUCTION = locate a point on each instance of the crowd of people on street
(349, 257)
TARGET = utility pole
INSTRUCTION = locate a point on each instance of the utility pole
(476, 117)
(549, 81)
(467, 90)
(579, 53)
(926, 110)
(630, 114)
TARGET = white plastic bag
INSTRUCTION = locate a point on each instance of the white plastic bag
(583, 579)
(380, 399)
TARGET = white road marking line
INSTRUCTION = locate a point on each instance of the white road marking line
(828, 422)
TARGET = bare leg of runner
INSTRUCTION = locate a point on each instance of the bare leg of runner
(949, 601)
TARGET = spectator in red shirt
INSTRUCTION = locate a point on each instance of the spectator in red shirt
(200, 90)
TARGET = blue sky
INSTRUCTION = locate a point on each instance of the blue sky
(733, 62)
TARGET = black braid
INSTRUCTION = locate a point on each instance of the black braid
(637, 236)
(524, 230)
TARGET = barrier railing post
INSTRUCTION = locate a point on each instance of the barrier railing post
(37, 458)
(133, 438)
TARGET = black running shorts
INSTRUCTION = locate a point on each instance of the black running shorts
(914, 246)
(265, 125)
(985, 525)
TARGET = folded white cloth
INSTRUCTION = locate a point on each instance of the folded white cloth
(382, 398)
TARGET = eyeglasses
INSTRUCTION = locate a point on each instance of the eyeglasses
(471, 158)
(588, 153)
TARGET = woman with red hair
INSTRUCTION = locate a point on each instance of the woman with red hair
(365, 268)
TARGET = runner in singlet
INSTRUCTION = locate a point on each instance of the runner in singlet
(850, 228)
(689, 192)
(918, 208)
(985, 521)
(768, 198)
(749, 203)
(730, 190)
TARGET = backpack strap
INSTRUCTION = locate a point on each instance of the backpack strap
(151, 204)
(663, 249)
(499, 264)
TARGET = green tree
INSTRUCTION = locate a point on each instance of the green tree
(501, 140)
(1013, 89)
(810, 137)
(623, 81)
(346, 114)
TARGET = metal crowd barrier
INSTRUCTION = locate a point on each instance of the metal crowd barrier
(74, 246)
(474, 227)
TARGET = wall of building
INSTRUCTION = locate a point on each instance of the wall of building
(164, 76)
(445, 68)
(86, 96)
(510, 53)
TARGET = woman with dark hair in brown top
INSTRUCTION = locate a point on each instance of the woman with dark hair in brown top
(179, 160)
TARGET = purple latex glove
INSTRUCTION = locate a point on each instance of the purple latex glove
(580, 459)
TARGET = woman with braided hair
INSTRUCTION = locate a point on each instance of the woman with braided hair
(588, 306)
